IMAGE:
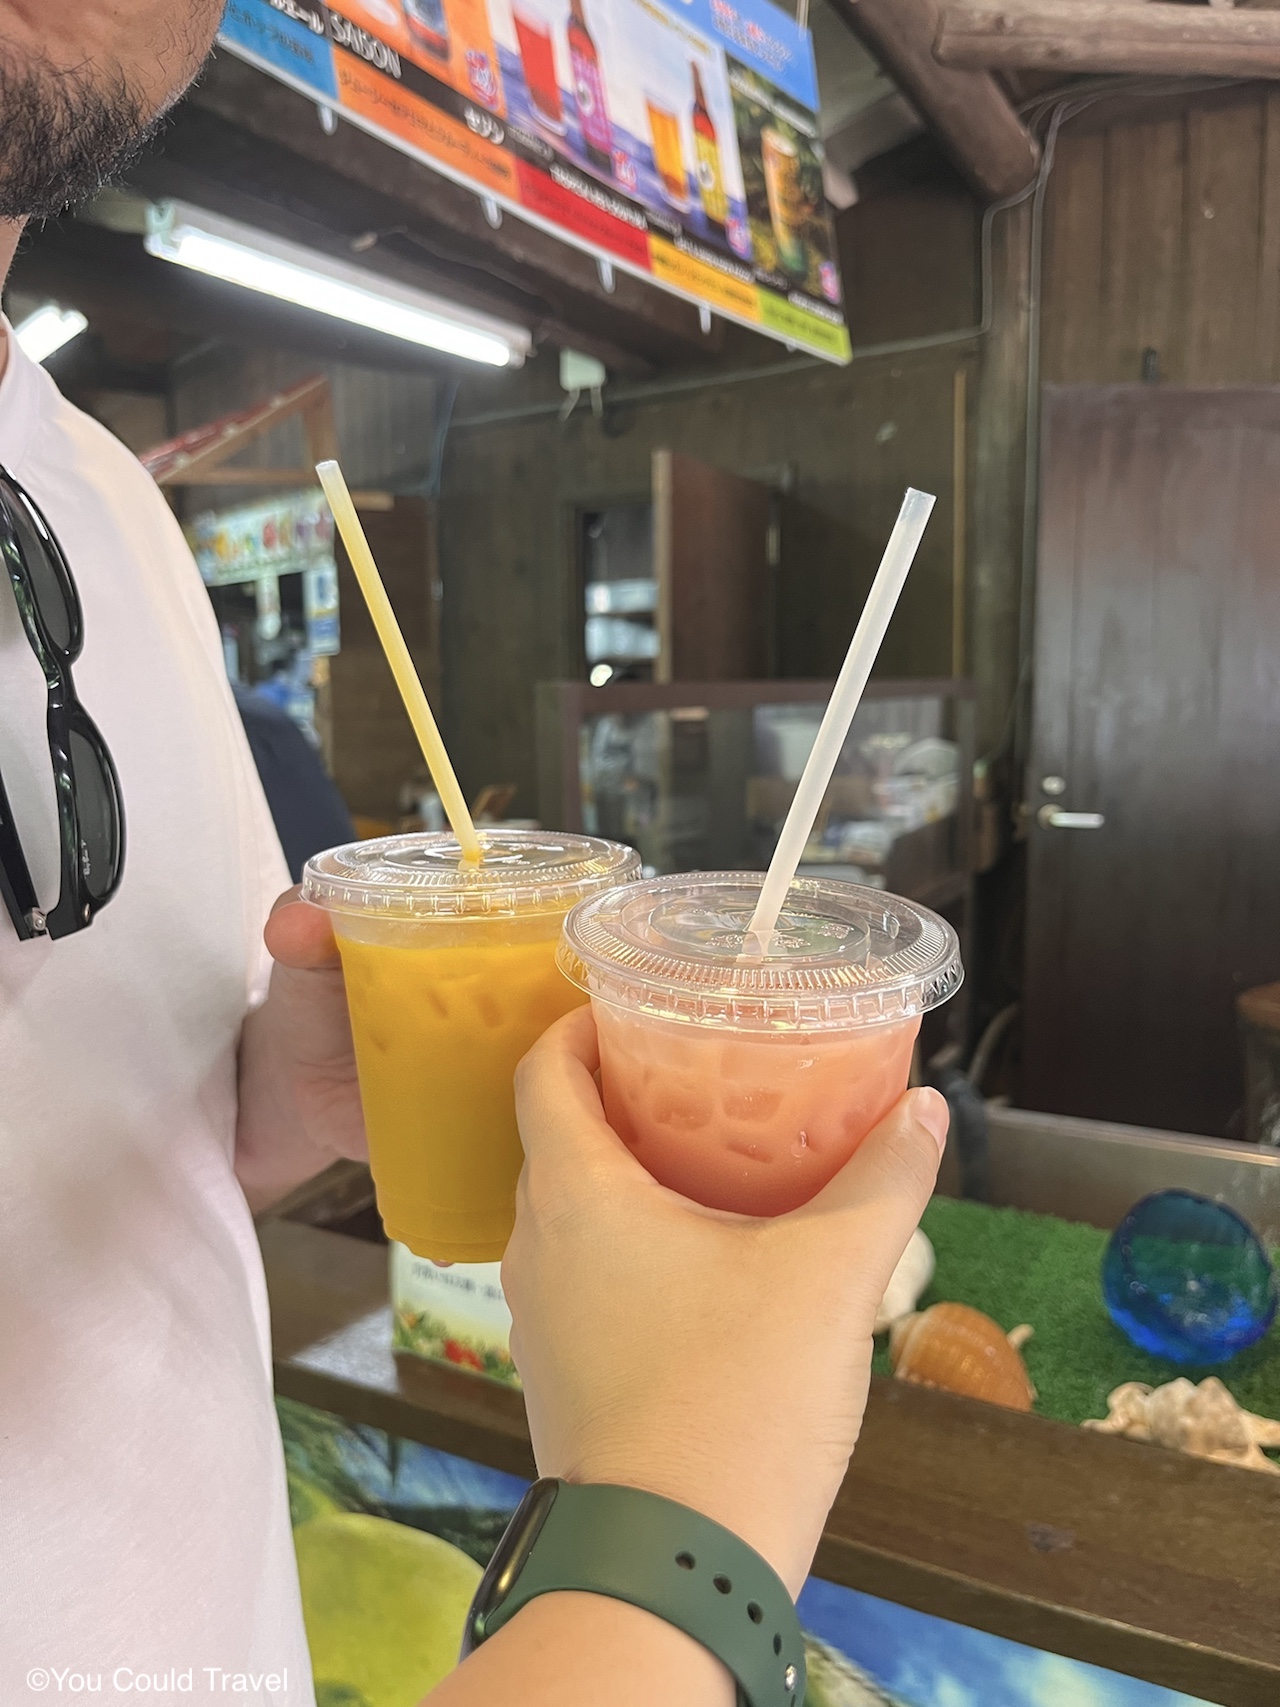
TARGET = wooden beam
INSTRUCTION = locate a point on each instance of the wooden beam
(1153, 39)
(284, 154)
(199, 456)
(966, 110)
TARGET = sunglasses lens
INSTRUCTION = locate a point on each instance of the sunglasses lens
(98, 806)
(48, 588)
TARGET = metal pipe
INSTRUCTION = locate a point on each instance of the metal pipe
(652, 391)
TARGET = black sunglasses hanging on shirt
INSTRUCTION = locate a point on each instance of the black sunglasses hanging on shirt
(90, 808)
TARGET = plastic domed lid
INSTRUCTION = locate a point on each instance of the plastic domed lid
(842, 955)
(423, 876)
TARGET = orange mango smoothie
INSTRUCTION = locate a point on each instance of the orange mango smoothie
(451, 976)
(438, 1034)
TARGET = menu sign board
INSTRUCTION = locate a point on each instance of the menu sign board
(675, 138)
(290, 535)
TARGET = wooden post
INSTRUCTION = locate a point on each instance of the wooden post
(1152, 39)
(664, 664)
(959, 519)
(999, 450)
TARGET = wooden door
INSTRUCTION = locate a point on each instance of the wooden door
(1157, 712)
(711, 560)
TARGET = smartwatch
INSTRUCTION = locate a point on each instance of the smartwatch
(634, 1546)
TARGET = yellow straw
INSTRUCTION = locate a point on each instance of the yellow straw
(384, 620)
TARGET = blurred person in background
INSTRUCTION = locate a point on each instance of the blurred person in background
(308, 812)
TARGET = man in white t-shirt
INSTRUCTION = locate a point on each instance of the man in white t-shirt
(149, 1095)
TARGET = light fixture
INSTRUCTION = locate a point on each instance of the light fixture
(225, 249)
(48, 329)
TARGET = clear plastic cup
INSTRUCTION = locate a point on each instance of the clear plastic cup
(746, 1082)
(451, 976)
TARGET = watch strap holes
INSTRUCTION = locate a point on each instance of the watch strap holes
(723, 1584)
(754, 1613)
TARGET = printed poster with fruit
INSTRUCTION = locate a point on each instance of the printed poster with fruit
(675, 138)
(392, 1538)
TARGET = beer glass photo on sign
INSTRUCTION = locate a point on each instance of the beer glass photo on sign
(668, 149)
(792, 239)
(536, 38)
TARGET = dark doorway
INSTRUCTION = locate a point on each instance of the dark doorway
(1154, 860)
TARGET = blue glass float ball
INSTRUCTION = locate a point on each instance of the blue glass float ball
(1187, 1279)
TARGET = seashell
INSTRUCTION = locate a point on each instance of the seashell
(962, 1351)
(910, 1278)
(1205, 1421)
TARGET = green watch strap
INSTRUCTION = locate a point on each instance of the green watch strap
(656, 1554)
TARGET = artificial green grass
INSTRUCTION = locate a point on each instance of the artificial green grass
(1017, 1267)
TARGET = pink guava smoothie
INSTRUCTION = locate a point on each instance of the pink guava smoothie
(752, 1122)
(744, 1075)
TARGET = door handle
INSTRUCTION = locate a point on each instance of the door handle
(1053, 818)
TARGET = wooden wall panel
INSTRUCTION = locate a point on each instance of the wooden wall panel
(1075, 232)
(910, 264)
(1162, 232)
(1146, 219)
(1223, 226)
(374, 749)
(1269, 245)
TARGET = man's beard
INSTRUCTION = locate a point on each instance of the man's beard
(63, 135)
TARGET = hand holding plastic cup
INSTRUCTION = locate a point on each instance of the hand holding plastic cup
(743, 1079)
(451, 977)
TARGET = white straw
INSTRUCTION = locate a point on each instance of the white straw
(868, 637)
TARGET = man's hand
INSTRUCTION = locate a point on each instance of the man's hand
(299, 1099)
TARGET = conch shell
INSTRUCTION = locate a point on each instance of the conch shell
(963, 1351)
(1205, 1421)
(912, 1275)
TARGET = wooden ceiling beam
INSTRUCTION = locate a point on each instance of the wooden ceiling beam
(967, 110)
(1153, 38)
(634, 325)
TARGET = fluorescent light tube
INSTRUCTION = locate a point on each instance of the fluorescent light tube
(225, 249)
(48, 329)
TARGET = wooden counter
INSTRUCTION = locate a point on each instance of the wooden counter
(1123, 1555)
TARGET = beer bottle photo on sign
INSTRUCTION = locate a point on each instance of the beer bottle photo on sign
(588, 88)
(710, 174)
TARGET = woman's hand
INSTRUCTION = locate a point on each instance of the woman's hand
(720, 1361)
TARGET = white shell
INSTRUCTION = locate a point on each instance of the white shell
(910, 1278)
(1204, 1421)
